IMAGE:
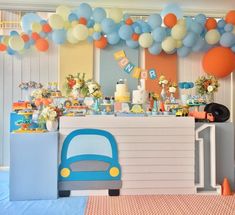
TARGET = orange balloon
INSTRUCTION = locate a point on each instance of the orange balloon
(25, 37)
(35, 36)
(38, 102)
(135, 36)
(46, 102)
(42, 45)
(129, 21)
(101, 43)
(82, 21)
(211, 24)
(230, 17)
(219, 62)
(46, 28)
(3, 47)
(170, 20)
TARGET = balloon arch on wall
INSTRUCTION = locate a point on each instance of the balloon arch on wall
(169, 33)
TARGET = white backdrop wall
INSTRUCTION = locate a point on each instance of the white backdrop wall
(34, 66)
(44, 68)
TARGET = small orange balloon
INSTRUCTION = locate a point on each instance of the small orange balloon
(129, 21)
(101, 43)
(135, 37)
(35, 36)
(42, 45)
(230, 17)
(38, 102)
(170, 20)
(211, 24)
(3, 47)
(46, 28)
(219, 62)
(45, 102)
(25, 37)
(82, 21)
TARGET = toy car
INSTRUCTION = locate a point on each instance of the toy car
(21, 105)
(89, 161)
(184, 111)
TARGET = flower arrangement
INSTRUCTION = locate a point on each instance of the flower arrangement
(40, 93)
(30, 84)
(206, 85)
(48, 113)
(94, 89)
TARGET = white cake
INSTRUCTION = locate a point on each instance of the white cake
(140, 96)
(122, 94)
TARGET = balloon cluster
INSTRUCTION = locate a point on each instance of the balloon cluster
(157, 34)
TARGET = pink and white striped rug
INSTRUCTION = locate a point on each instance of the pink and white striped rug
(161, 205)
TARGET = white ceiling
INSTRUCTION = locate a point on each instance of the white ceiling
(209, 7)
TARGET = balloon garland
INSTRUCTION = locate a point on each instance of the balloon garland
(170, 33)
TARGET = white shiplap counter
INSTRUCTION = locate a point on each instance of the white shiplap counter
(156, 153)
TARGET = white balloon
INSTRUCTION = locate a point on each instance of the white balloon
(146, 40)
(16, 43)
(63, 11)
(56, 21)
(212, 36)
(116, 14)
(169, 44)
(70, 37)
(80, 32)
(178, 32)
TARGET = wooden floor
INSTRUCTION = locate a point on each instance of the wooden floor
(161, 205)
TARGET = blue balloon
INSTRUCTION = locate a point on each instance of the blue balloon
(59, 36)
(191, 84)
(72, 17)
(187, 85)
(14, 33)
(138, 30)
(42, 22)
(196, 27)
(90, 23)
(27, 21)
(221, 31)
(172, 8)
(221, 23)
(189, 22)
(155, 49)
(227, 39)
(228, 27)
(96, 35)
(199, 45)
(89, 39)
(125, 32)
(108, 25)
(113, 38)
(233, 48)
(132, 44)
(83, 10)
(27, 45)
(126, 16)
(49, 36)
(42, 34)
(183, 51)
(201, 19)
(181, 85)
(190, 39)
(159, 34)
(145, 27)
(99, 14)
(10, 51)
(154, 20)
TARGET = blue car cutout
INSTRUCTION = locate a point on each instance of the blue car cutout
(89, 161)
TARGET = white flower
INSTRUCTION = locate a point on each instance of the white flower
(172, 89)
(210, 88)
(165, 81)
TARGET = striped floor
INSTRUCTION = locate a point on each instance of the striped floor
(161, 205)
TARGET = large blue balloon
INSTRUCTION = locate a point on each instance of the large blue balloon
(196, 27)
(83, 10)
(59, 36)
(99, 14)
(190, 39)
(137, 27)
(145, 27)
(154, 20)
(221, 23)
(172, 8)
(155, 49)
(125, 32)
(113, 38)
(228, 27)
(96, 35)
(227, 39)
(159, 34)
(72, 17)
(108, 25)
(189, 22)
(27, 21)
(201, 19)
(199, 45)
(183, 51)
(132, 44)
